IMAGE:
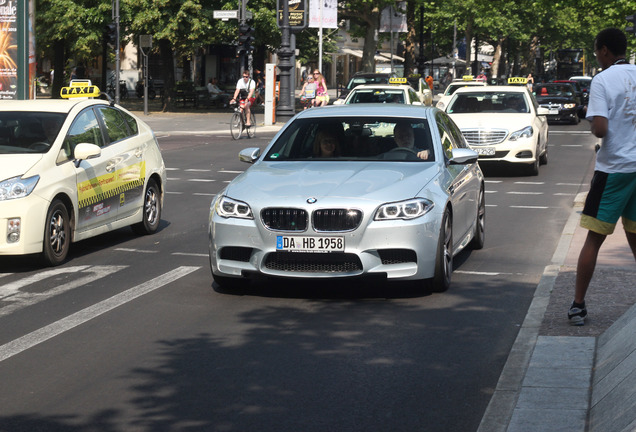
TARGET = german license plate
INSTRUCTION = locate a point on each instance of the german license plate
(309, 244)
(485, 151)
(553, 111)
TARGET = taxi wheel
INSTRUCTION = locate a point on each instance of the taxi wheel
(444, 259)
(57, 234)
(151, 210)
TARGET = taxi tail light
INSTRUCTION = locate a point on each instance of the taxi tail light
(13, 230)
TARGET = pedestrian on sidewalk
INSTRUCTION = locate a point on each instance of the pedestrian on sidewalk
(308, 93)
(322, 97)
(611, 110)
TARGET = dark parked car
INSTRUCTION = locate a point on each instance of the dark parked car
(561, 101)
(361, 78)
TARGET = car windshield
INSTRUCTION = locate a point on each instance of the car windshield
(377, 96)
(354, 138)
(28, 132)
(488, 102)
(356, 81)
(452, 88)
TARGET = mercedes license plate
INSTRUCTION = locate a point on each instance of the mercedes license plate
(485, 151)
(309, 244)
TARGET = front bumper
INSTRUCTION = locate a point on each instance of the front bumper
(400, 249)
(32, 211)
(520, 151)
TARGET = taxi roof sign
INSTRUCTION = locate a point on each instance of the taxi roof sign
(396, 80)
(468, 77)
(518, 80)
(80, 88)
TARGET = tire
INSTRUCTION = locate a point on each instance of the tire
(480, 223)
(444, 257)
(152, 94)
(57, 234)
(533, 168)
(543, 159)
(151, 210)
(236, 127)
(251, 130)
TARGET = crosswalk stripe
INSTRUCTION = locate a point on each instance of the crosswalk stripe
(50, 331)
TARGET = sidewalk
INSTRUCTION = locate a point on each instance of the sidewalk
(564, 378)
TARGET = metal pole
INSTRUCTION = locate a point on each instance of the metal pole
(285, 110)
(116, 19)
(320, 40)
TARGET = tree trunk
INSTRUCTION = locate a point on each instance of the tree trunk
(167, 60)
(411, 37)
(58, 68)
(469, 40)
(370, 45)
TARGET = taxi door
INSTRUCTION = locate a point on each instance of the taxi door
(131, 168)
(97, 204)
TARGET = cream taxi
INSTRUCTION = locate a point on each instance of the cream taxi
(465, 81)
(502, 124)
(72, 169)
(397, 91)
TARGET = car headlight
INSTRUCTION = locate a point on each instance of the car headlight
(526, 132)
(409, 209)
(17, 187)
(569, 106)
(230, 208)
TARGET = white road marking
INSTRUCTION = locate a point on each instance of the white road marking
(190, 254)
(16, 299)
(174, 193)
(568, 184)
(231, 172)
(173, 169)
(529, 183)
(136, 250)
(197, 170)
(531, 207)
(201, 180)
(203, 194)
(493, 181)
(524, 193)
(36, 337)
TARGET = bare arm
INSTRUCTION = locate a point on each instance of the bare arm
(599, 126)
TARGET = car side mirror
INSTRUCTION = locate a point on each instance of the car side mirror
(463, 156)
(85, 151)
(250, 155)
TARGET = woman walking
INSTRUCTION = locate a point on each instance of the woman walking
(322, 98)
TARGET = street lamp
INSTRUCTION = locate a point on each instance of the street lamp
(285, 109)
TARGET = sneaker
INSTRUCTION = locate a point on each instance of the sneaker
(577, 314)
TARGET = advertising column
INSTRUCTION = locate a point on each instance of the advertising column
(17, 49)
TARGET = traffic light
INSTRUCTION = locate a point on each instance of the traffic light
(110, 33)
(632, 27)
(246, 38)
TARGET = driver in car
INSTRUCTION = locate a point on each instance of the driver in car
(405, 138)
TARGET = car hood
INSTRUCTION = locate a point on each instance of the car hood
(17, 165)
(294, 182)
(510, 121)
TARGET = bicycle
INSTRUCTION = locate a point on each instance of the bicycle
(238, 120)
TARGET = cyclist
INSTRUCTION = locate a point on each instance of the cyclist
(246, 87)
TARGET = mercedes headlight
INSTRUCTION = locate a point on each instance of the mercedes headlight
(17, 187)
(526, 132)
(409, 209)
(230, 208)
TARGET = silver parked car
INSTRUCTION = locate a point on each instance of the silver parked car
(351, 190)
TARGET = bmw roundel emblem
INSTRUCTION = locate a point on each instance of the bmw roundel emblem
(311, 200)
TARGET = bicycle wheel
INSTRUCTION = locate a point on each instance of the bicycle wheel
(236, 125)
(251, 129)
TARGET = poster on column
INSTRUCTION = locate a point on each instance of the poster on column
(8, 49)
(329, 11)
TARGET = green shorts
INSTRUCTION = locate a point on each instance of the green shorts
(611, 196)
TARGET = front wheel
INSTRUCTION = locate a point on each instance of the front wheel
(251, 129)
(57, 234)
(151, 210)
(480, 223)
(444, 259)
(236, 125)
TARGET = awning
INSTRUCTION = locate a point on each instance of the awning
(381, 56)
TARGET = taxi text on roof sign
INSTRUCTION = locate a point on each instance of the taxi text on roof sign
(468, 78)
(517, 80)
(82, 88)
(395, 80)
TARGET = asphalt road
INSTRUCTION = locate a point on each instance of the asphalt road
(131, 335)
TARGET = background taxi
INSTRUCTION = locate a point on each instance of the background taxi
(466, 81)
(383, 93)
(503, 124)
(72, 169)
